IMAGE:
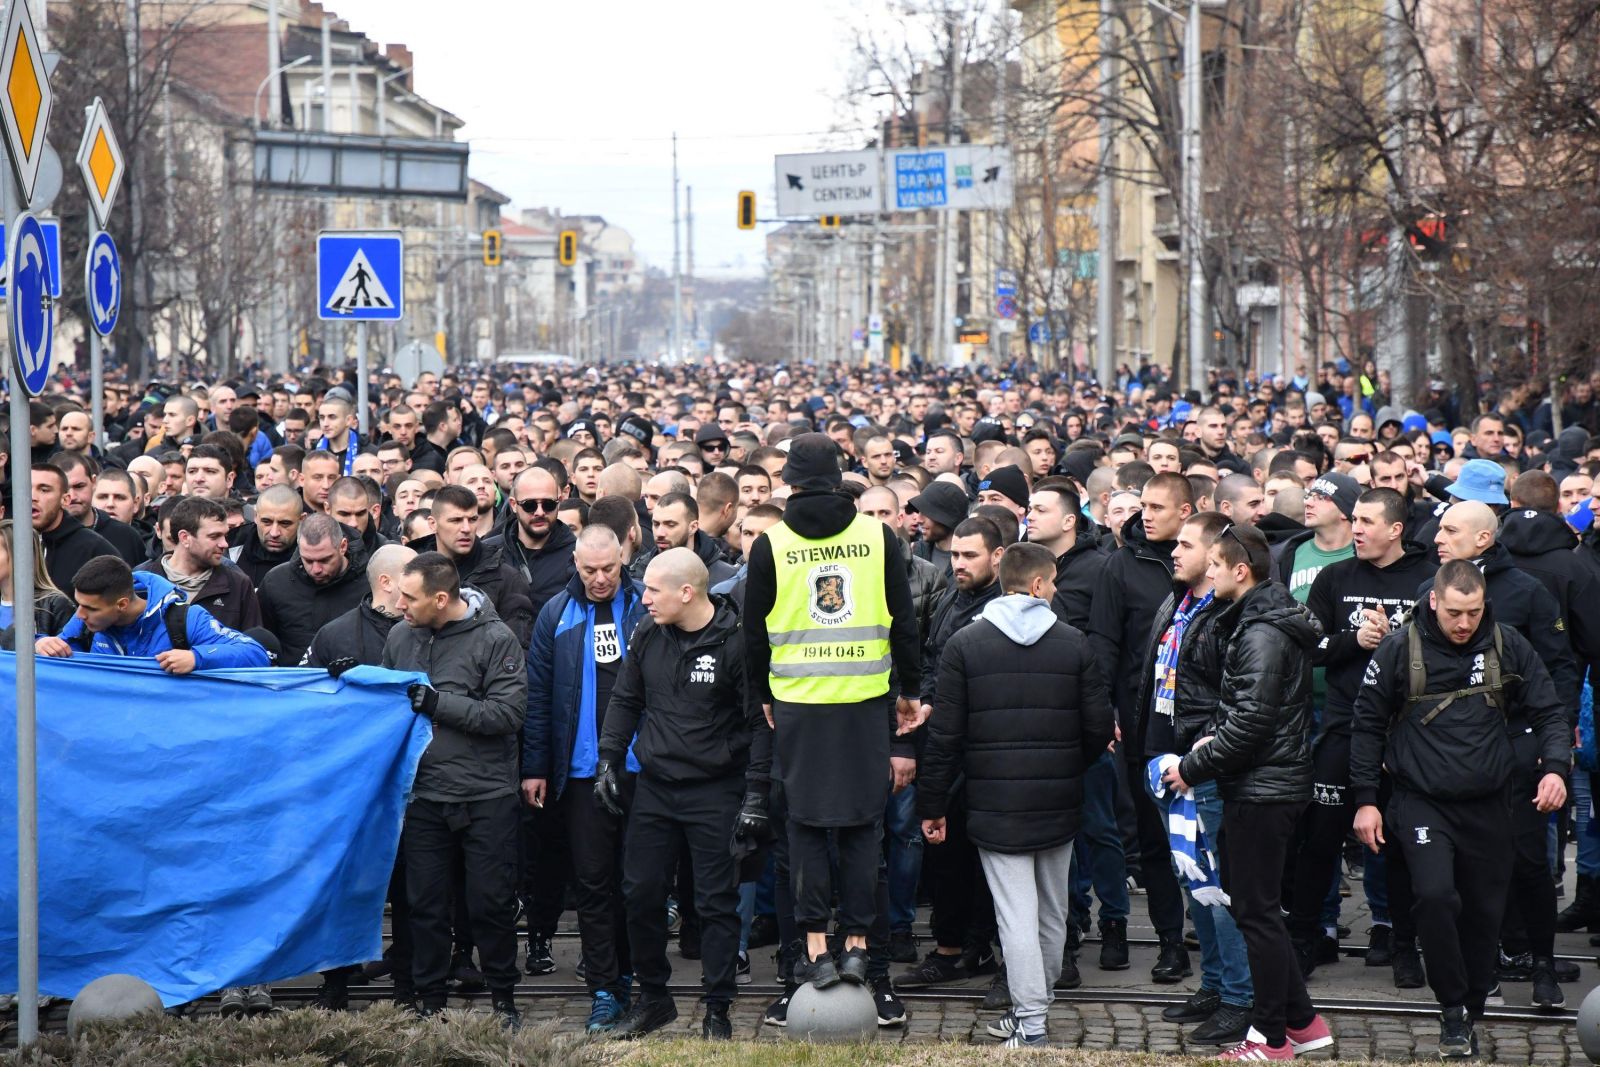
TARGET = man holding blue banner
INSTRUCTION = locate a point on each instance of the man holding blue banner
(464, 800)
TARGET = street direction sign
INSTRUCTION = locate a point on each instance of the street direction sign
(30, 308)
(958, 177)
(25, 95)
(360, 275)
(1039, 333)
(100, 161)
(52, 252)
(102, 284)
(829, 183)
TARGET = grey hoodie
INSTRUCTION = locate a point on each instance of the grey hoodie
(1022, 618)
(479, 669)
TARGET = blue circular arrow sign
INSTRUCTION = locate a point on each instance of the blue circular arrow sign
(102, 284)
(32, 312)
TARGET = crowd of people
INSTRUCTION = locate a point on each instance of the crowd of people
(769, 656)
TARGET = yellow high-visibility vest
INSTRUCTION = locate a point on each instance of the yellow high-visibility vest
(829, 623)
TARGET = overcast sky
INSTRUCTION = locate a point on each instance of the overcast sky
(573, 105)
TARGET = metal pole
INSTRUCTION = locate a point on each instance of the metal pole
(1106, 211)
(361, 376)
(952, 221)
(97, 374)
(1395, 339)
(275, 96)
(27, 771)
(327, 74)
(677, 278)
(1194, 191)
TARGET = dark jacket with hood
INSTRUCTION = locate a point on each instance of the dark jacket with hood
(708, 548)
(1337, 597)
(682, 701)
(1467, 750)
(547, 570)
(68, 547)
(1523, 603)
(359, 634)
(1543, 545)
(1260, 747)
(1022, 711)
(227, 595)
(1136, 579)
(1078, 571)
(294, 608)
(928, 584)
(476, 665)
(252, 557)
(1279, 529)
(485, 568)
(122, 537)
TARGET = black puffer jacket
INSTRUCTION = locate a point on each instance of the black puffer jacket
(51, 613)
(358, 634)
(1021, 712)
(1468, 749)
(928, 584)
(1260, 747)
(1078, 571)
(1199, 670)
(485, 568)
(1136, 579)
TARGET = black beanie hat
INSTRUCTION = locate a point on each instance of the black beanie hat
(813, 463)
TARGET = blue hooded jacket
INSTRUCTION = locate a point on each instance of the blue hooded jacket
(213, 644)
(561, 680)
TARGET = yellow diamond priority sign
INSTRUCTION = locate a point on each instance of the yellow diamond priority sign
(24, 94)
(100, 161)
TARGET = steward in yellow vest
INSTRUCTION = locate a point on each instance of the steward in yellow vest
(832, 650)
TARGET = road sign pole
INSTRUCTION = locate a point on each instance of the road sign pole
(97, 372)
(361, 376)
(22, 594)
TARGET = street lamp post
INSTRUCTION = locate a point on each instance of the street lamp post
(255, 108)
(383, 99)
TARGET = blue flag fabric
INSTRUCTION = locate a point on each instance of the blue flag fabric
(220, 829)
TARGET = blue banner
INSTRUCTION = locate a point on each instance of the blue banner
(214, 830)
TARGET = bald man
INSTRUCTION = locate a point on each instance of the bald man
(704, 749)
(619, 479)
(1469, 530)
(357, 638)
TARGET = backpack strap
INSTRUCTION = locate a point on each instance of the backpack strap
(1417, 676)
(177, 619)
(1492, 689)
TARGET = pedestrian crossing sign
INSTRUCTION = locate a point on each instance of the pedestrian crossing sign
(360, 275)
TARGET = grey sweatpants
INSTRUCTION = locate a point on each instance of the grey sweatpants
(1030, 893)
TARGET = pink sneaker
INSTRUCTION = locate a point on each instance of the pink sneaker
(1255, 1047)
(1309, 1038)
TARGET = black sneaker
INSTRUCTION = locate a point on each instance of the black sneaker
(1518, 968)
(645, 1015)
(1070, 978)
(741, 969)
(1380, 947)
(716, 1026)
(1327, 949)
(820, 972)
(689, 938)
(763, 931)
(1407, 965)
(777, 1013)
(465, 976)
(1547, 995)
(1201, 1005)
(853, 966)
(998, 996)
(505, 1010)
(891, 1012)
(902, 947)
(1172, 965)
(333, 996)
(258, 1000)
(935, 969)
(404, 997)
(540, 961)
(1114, 944)
(980, 961)
(1228, 1025)
(1566, 971)
(1456, 1038)
(430, 1008)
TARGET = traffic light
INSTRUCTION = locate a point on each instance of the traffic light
(491, 248)
(830, 222)
(747, 210)
(567, 248)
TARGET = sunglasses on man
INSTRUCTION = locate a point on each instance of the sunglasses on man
(539, 503)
